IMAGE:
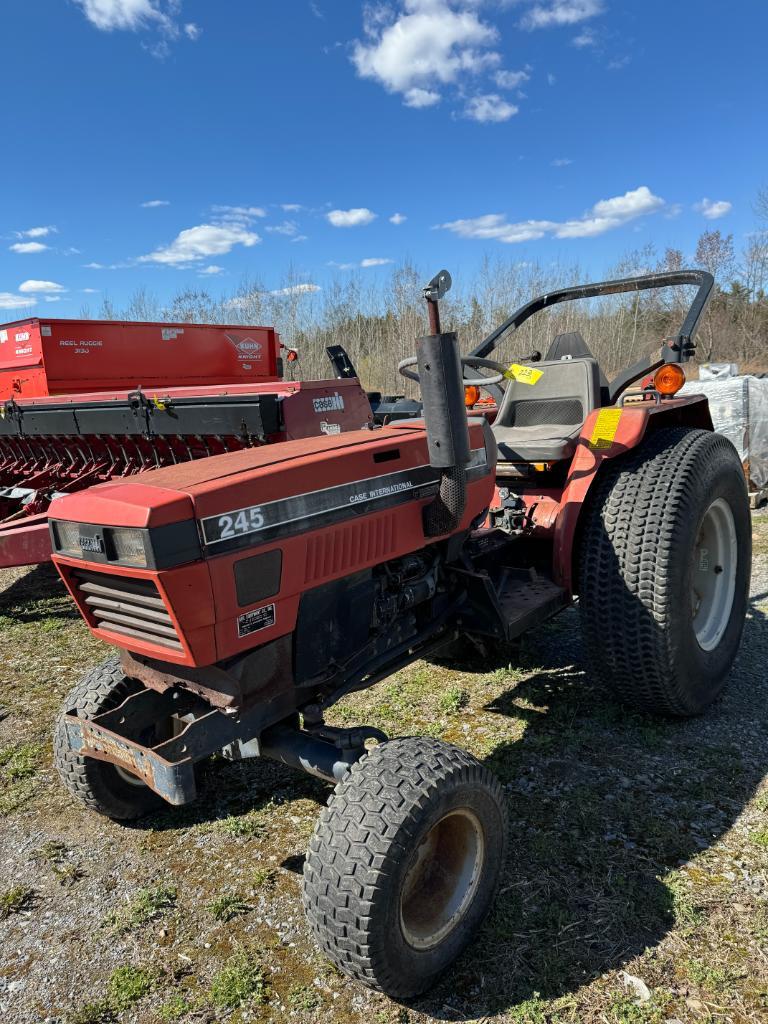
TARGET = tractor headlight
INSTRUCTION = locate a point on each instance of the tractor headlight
(158, 547)
(128, 546)
(66, 538)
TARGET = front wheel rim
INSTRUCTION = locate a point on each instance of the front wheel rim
(442, 879)
(713, 583)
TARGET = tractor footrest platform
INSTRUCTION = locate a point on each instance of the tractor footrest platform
(525, 603)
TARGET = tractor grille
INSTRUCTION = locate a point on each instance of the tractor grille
(130, 607)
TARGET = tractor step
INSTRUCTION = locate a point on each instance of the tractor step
(525, 603)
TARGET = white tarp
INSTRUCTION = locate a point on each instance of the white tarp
(739, 408)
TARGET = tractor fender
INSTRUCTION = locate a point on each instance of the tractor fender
(606, 434)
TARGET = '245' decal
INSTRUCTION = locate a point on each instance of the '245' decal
(243, 522)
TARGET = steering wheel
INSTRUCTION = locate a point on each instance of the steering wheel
(473, 362)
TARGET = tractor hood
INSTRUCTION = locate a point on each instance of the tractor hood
(221, 503)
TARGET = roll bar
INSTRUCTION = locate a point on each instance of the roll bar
(677, 349)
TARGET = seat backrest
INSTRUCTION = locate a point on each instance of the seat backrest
(566, 391)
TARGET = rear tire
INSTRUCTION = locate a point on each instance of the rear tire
(404, 863)
(101, 786)
(664, 566)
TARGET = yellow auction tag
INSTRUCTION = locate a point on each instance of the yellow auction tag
(523, 374)
(606, 425)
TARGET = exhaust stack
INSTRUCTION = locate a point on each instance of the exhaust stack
(445, 417)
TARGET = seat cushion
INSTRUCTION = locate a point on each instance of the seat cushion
(541, 421)
(526, 444)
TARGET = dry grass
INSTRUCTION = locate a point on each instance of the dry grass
(638, 850)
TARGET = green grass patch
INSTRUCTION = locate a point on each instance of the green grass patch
(240, 982)
(227, 906)
(760, 838)
(99, 1012)
(249, 825)
(264, 878)
(14, 900)
(175, 1008)
(127, 985)
(453, 699)
(147, 905)
(715, 979)
(304, 997)
(21, 762)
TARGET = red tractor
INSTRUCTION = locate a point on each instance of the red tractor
(250, 591)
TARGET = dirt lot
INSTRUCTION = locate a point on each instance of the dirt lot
(636, 889)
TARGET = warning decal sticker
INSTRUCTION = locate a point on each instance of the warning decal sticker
(523, 374)
(253, 621)
(606, 425)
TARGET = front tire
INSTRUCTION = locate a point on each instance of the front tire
(102, 787)
(664, 566)
(404, 863)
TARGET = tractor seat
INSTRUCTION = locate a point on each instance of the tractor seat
(541, 422)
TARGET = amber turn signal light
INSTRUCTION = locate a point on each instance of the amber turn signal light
(471, 395)
(669, 379)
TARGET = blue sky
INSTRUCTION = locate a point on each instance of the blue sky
(160, 144)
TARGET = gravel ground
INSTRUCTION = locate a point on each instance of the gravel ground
(636, 891)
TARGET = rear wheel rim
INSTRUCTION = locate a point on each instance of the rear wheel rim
(442, 879)
(713, 585)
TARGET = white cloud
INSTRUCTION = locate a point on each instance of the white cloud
(239, 213)
(90, 291)
(375, 261)
(41, 232)
(418, 97)
(211, 270)
(197, 243)
(510, 79)
(585, 38)
(9, 301)
(33, 286)
(288, 227)
(300, 238)
(27, 247)
(132, 15)
(94, 266)
(551, 79)
(297, 289)
(605, 215)
(398, 218)
(713, 209)
(424, 46)
(152, 204)
(561, 12)
(291, 207)
(354, 218)
(489, 108)
(52, 298)
(158, 16)
(562, 161)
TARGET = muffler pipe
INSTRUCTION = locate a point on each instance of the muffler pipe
(445, 419)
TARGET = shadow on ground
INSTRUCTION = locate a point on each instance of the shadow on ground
(37, 594)
(604, 805)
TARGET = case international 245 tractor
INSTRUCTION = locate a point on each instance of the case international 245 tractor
(250, 591)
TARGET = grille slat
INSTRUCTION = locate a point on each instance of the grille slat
(129, 607)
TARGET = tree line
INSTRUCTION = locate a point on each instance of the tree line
(378, 322)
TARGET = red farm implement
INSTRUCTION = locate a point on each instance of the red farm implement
(82, 402)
